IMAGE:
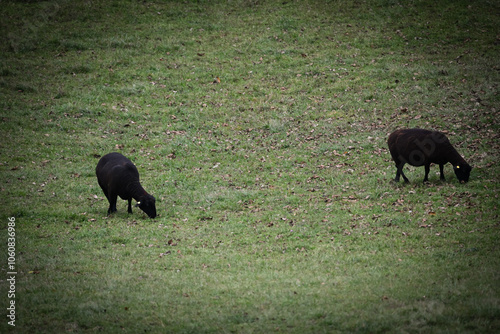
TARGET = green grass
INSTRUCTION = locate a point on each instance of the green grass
(276, 210)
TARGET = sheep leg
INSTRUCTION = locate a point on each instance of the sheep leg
(404, 176)
(105, 193)
(112, 203)
(399, 173)
(129, 205)
(427, 169)
(441, 172)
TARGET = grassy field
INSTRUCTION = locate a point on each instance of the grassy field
(260, 127)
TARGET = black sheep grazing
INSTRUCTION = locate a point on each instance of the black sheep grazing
(118, 176)
(419, 147)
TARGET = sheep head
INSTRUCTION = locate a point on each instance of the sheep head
(462, 171)
(147, 204)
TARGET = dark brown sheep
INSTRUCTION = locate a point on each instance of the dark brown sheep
(419, 147)
(118, 176)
